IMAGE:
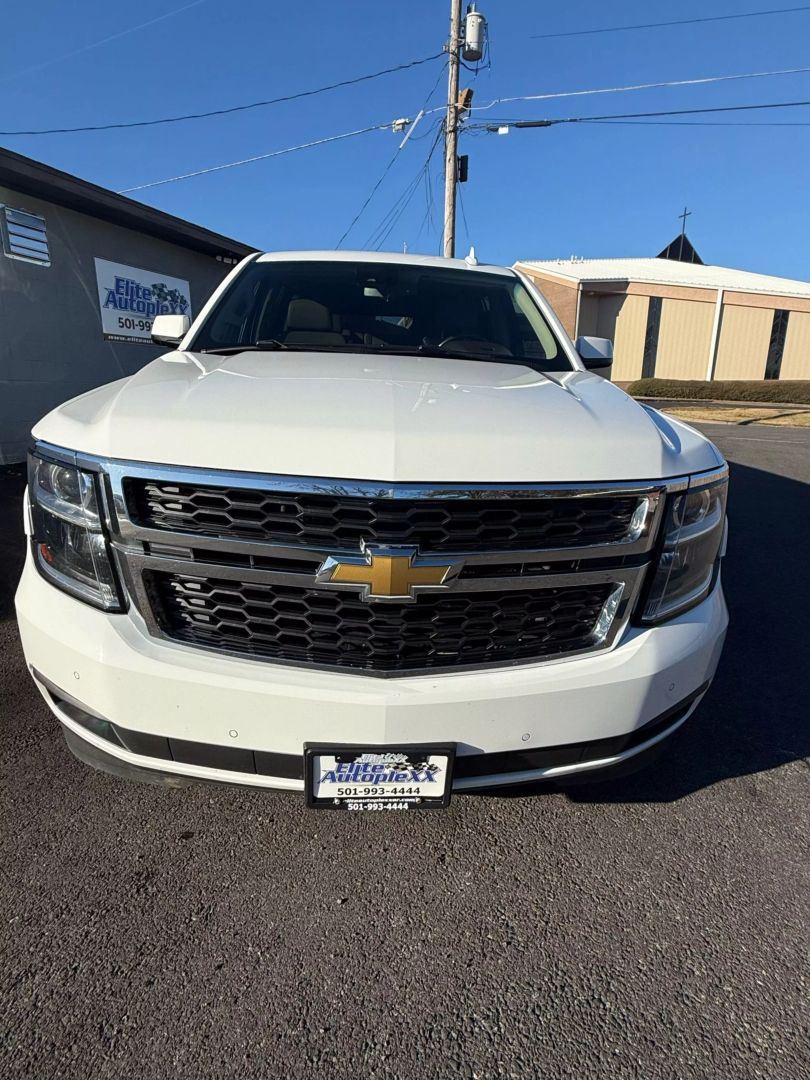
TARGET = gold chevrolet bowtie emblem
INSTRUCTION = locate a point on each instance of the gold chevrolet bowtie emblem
(387, 573)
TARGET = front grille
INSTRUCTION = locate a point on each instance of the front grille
(453, 523)
(300, 624)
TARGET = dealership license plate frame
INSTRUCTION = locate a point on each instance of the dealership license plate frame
(315, 799)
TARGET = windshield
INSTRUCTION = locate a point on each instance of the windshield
(382, 307)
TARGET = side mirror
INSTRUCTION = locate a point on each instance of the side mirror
(596, 353)
(170, 329)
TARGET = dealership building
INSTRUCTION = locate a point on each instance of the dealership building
(673, 319)
(83, 271)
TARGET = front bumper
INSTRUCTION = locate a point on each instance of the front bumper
(114, 670)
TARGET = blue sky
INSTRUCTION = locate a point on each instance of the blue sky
(589, 190)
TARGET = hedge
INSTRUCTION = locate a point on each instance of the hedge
(789, 392)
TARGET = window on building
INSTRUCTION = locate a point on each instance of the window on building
(776, 346)
(24, 236)
(651, 337)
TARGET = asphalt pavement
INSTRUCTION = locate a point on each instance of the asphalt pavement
(652, 927)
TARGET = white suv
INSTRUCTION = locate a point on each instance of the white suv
(374, 532)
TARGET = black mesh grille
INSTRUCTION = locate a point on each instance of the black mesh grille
(452, 524)
(323, 628)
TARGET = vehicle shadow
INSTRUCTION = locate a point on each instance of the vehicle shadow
(754, 717)
(12, 535)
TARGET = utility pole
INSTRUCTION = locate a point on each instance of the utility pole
(451, 131)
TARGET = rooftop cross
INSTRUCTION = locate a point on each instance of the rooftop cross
(686, 213)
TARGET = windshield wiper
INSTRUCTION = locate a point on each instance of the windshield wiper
(436, 351)
(262, 345)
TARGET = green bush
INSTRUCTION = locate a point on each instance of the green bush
(789, 392)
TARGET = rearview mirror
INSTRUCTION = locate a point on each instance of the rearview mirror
(596, 353)
(169, 329)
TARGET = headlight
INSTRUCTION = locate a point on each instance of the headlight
(69, 547)
(693, 533)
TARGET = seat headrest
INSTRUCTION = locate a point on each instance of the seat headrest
(308, 315)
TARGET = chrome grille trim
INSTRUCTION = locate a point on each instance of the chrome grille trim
(131, 534)
(136, 563)
(138, 549)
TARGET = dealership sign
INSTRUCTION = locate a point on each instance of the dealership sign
(130, 298)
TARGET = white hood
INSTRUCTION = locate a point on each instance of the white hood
(367, 417)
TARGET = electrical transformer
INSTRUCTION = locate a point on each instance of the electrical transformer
(474, 30)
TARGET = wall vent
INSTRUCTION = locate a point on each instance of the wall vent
(24, 236)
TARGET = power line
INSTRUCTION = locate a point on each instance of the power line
(428, 214)
(536, 97)
(427, 218)
(639, 115)
(425, 176)
(402, 67)
(464, 215)
(675, 22)
(414, 183)
(390, 164)
(258, 157)
(638, 86)
(703, 123)
(370, 196)
(393, 216)
(389, 221)
(98, 44)
(232, 108)
(406, 193)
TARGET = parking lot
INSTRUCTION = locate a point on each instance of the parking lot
(651, 927)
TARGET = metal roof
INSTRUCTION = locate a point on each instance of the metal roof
(668, 272)
(30, 177)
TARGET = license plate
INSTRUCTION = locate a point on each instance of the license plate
(378, 777)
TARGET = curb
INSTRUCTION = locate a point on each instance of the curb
(660, 402)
